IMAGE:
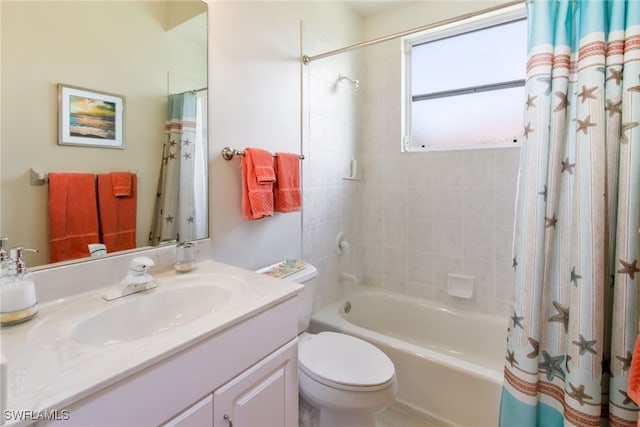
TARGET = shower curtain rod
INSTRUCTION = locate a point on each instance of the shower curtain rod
(306, 59)
(192, 90)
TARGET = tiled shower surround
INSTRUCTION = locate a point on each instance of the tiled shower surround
(414, 217)
(425, 215)
(331, 140)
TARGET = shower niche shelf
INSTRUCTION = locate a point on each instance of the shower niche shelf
(460, 286)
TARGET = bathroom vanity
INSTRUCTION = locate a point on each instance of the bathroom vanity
(215, 347)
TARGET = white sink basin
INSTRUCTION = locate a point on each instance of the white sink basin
(153, 312)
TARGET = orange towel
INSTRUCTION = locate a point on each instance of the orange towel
(633, 385)
(265, 173)
(117, 213)
(73, 215)
(287, 189)
(122, 183)
(257, 197)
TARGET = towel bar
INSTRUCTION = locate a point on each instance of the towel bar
(39, 177)
(228, 153)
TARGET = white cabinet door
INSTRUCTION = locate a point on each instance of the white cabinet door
(265, 395)
(198, 415)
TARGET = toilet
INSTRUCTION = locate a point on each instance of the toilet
(345, 379)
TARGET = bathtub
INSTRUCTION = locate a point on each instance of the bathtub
(448, 363)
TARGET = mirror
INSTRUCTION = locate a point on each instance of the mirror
(143, 51)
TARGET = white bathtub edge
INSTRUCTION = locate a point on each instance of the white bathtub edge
(329, 316)
(435, 383)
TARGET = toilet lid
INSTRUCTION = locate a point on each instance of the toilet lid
(339, 359)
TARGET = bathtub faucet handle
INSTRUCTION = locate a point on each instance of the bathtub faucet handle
(342, 245)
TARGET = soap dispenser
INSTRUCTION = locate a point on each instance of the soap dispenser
(4, 257)
(17, 291)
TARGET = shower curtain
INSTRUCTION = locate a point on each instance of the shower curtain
(180, 212)
(573, 327)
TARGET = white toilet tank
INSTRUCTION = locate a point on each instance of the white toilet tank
(306, 276)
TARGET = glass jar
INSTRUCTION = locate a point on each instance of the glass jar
(185, 257)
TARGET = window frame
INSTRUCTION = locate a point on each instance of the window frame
(475, 23)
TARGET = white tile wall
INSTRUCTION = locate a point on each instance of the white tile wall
(425, 215)
(414, 218)
(330, 140)
(455, 215)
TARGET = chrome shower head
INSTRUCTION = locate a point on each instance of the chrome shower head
(354, 83)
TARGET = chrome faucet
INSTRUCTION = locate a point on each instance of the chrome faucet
(136, 280)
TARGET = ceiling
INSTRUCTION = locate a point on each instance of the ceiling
(194, 29)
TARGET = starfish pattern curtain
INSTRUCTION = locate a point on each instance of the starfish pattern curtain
(573, 328)
(180, 209)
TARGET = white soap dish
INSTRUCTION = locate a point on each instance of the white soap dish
(460, 286)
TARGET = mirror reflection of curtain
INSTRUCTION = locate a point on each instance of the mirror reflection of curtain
(180, 212)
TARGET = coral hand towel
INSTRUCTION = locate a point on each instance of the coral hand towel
(117, 201)
(287, 189)
(257, 183)
(122, 183)
(73, 215)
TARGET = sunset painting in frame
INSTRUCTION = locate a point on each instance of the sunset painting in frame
(90, 118)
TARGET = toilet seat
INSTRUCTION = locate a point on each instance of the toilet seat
(345, 362)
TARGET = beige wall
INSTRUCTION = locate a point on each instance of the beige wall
(117, 47)
(257, 100)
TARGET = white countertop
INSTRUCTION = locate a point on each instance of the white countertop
(48, 370)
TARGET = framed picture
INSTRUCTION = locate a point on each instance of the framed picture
(90, 118)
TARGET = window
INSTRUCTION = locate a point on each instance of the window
(464, 83)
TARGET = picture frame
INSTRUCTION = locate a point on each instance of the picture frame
(90, 118)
